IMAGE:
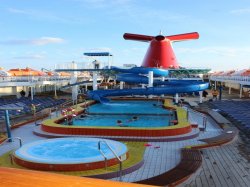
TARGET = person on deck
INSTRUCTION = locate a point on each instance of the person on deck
(33, 109)
(215, 94)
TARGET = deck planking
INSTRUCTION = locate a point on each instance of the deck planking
(222, 166)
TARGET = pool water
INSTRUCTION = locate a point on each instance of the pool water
(69, 150)
(150, 114)
(126, 120)
(128, 107)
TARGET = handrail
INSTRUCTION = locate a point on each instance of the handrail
(19, 139)
(105, 158)
(120, 160)
(204, 122)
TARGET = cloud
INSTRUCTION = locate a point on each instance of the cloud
(17, 11)
(46, 16)
(46, 40)
(240, 11)
(30, 57)
(132, 11)
(37, 41)
(103, 3)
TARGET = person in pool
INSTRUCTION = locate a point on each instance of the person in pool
(82, 116)
(119, 123)
(135, 118)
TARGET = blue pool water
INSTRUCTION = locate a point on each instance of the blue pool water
(69, 150)
(150, 114)
(128, 107)
(111, 120)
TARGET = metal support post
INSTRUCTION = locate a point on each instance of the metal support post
(205, 123)
(31, 93)
(200, 94)
(241, 88)
(176, 98)
(7, 122)
(150, 80)
(55, 92)
(94, 81)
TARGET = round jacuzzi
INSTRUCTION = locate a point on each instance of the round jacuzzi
(70, 154)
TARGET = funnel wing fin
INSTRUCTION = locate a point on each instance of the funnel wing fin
(137, 37)
(182, 37)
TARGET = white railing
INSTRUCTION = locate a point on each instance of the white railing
(231, 78)
(32, 78)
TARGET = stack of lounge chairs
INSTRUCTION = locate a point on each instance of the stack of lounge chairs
(25, 103)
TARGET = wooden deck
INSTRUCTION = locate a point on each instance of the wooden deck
(222, 166)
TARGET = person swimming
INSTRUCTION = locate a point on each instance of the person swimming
(82, 116)
(119, 123)
(135, 118)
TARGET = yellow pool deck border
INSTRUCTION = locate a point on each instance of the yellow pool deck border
(182, 118)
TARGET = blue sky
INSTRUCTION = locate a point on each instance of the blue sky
(40, 34)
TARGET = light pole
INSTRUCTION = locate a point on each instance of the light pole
(7, 119)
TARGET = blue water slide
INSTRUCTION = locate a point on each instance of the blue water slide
(140, 79)
(142, 70)
(171, 88)
(132, 78)
(137, 75)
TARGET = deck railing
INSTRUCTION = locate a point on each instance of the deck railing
(32, 78)
(235, 78)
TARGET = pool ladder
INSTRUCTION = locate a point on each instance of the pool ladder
(105, 158)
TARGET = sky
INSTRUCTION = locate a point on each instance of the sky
(41, 34)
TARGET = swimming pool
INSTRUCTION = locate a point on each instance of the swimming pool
(69, 154)
(126, 120)
(147, 108)
(149, 114)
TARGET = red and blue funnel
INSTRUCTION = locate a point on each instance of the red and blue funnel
(160, 53)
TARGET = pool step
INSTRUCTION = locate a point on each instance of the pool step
(193, 134)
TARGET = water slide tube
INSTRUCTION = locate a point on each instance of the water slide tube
(136, 76)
